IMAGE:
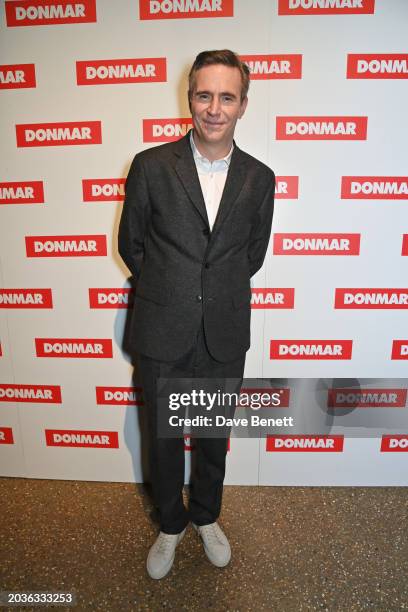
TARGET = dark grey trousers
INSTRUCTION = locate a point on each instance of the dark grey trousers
(167, 454)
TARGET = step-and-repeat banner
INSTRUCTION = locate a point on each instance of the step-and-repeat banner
(85, 86)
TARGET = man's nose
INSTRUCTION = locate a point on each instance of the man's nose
(214, 106)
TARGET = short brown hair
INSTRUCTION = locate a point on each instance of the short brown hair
(222, 56)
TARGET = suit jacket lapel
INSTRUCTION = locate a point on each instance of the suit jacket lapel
(233, 185)
(187, 172)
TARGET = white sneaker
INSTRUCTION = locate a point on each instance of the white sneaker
(162, 553)
(216, 545)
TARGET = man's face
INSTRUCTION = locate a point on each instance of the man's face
(216, 104)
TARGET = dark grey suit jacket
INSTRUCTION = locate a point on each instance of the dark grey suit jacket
(183, 271)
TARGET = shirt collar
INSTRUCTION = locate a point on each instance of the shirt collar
(198, 157)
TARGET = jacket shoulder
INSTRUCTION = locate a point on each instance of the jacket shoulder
(161, 153)
(257, 166)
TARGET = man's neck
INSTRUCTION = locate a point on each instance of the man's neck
(212, 153)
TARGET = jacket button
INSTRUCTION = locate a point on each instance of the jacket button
(199, 298)
(206, 232)
(207, 265)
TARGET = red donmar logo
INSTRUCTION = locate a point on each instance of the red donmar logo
(59, 134)
(79, 437)
(404, 250)
(377, 66)
(371, 298)
(366, 398)
(396, 443)
(27, 192)
(311, 349)
(17, 76)
(165, 130)
(119, 396)
(316, 244)
(6, 435)
(36, 394)
(273, 298)
(287, 188)
(110, 298)
(26, 298)
(374, 188)
(273, 66)
(184, 9)
(321, 128)
(111, 71)
(325, 7)
(66, 246)
(306, 443)
(103, 190)
(48, 12)
(399, 349)
(74, 347)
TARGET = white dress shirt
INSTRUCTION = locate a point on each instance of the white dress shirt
(212, 177)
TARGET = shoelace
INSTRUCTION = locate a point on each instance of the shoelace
(166, 541)
(210, 531)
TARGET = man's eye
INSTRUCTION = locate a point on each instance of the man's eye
(227, 98)
(203, 96)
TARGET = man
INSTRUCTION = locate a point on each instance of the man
(195, 227)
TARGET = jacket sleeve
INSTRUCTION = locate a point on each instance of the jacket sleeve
(261, 230)
(134, 219)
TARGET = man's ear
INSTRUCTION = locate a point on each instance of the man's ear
(244, 104)
(189, 100)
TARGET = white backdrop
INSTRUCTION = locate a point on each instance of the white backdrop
(86, 85)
